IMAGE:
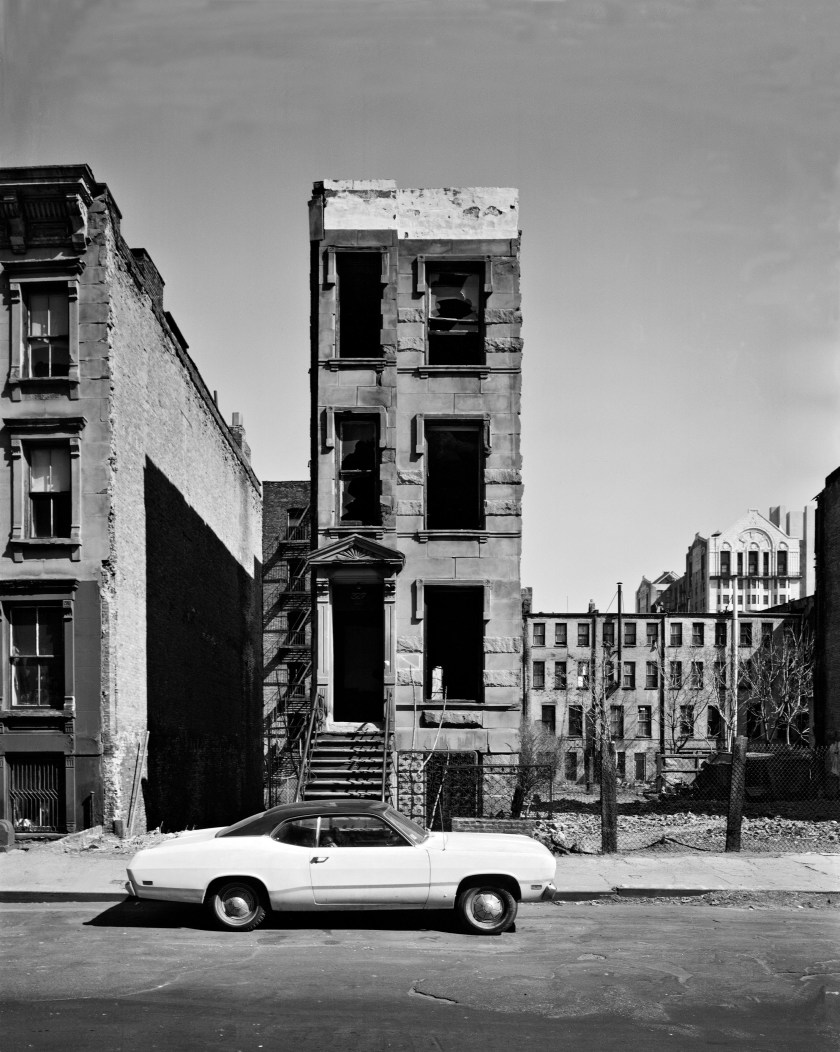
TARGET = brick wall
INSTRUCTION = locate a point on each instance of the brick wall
(181, 597)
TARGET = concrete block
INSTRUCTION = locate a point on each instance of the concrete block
(409, 478)
(502, 644)
(437, 718)
(503, 507)
(502, 677)
(502, 476)
(410, 644)
(409, 507)
(411, 315)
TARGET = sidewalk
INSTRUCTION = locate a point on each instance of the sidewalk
(51, 875)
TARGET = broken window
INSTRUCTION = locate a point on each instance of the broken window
(454, 476)
(549, 718)
(359, 304)
(49, 491)
(358, 472)
(37, 656)
(455, 336)
(454, 644)
(47, 348)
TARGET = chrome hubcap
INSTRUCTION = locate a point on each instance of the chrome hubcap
(488, 907)
(237, 906)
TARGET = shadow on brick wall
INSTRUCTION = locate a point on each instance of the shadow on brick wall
(202, 656)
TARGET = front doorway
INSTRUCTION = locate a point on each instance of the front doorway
(359, 652)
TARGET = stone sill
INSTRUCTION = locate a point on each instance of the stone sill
(355, 363)
(462, 706)
(44, 384)
(452, 535)
(41, 713)
(22, 545)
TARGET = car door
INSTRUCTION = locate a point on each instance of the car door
(361, 860)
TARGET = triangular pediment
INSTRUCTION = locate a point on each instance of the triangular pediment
(359, 550)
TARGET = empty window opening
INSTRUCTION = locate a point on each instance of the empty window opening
(455, 336)
(359, 304)
(549, 719)
(454, 477)
(576, 721)
(358, 472)
(455, 644)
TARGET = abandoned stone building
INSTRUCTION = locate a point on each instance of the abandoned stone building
(658, 681)
(130, 676)
(415, 619)
(827, 609)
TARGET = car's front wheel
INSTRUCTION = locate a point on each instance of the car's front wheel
(487, 909)
(238, 905)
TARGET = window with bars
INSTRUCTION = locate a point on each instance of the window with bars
(36, 792)
(47, 328)
(36, 655)
(455, 312)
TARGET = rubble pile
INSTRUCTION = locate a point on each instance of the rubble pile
(579, 832)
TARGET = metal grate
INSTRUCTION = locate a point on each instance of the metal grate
(35, 793)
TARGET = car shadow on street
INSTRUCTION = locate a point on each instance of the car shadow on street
(140, 913)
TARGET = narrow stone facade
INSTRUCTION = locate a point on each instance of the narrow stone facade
(827, 689)
(416, 466)
(129, 600)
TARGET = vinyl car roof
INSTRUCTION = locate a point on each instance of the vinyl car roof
(348, 805)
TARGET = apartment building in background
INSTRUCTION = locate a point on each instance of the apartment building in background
(758, 562)
(130, 518)
(659, 679)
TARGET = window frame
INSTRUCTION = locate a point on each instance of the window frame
(616, 724)
(59, 595)
(651, 675)
(584, 630)
(561, 675)
(25, 433)
(676, 634)
(574, 718)
(644, 721)
(342, 475)
(483, 265)
(561, 634)
(630, 635)
(698, 633)
(538, 634)
(25, 277)
(628, 675)
(538, 675)
(426, 423)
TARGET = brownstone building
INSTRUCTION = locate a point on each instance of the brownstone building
(129, 595)
(827, 688)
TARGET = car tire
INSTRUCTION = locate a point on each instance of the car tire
(238, 905)
(487, 909)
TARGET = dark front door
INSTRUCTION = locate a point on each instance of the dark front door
(358, 634)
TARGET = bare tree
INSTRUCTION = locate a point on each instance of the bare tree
(776, 684)
(538, 761)
(694, 689)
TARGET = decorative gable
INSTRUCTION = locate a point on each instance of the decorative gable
(357, 549)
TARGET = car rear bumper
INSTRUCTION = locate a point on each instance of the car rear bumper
(549, 893)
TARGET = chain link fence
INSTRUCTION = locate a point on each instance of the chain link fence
(791, 800)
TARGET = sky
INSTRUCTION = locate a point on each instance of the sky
(678, 163)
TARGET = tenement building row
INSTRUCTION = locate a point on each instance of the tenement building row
(660, 683)
(130, 518)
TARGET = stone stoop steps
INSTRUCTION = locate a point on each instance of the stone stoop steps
(345, 765)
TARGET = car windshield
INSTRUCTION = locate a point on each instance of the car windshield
(415, 833)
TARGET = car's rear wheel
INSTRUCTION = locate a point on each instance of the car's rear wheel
(238, 905)
(487, 909)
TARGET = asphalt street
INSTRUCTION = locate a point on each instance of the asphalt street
(145, 976)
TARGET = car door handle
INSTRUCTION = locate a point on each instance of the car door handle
(320, 858)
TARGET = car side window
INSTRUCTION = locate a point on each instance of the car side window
(358, 831)
(301, 832)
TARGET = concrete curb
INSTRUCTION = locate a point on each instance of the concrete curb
(63, 896)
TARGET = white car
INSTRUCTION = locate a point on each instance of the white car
(344, 854)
